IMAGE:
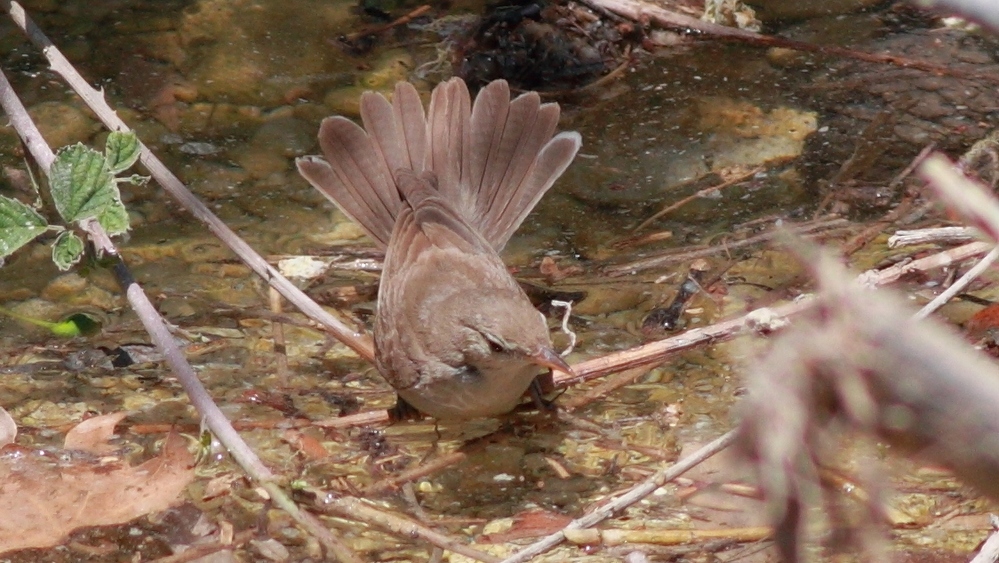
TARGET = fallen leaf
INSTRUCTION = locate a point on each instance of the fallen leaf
(93, 434)
(530, 524)
(46, 495)
(982, 322)
(8, 428)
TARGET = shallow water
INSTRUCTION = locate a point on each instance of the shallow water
(228, 93)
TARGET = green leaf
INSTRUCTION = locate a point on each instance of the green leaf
(67, 250)
(85, 323)
(19, 225)
(114, 219)
(121, 151)
(81, 183)
(77, 324)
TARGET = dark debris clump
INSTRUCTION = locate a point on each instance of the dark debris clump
(538, 45)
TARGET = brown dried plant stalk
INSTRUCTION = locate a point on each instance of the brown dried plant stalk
(861, 358)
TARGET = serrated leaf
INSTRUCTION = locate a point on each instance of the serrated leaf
(81, 183)
(19, 225)
(114, 219)
(121, 151)
(67, 250)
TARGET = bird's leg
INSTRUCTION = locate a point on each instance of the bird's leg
(403, 411)
(540, 386)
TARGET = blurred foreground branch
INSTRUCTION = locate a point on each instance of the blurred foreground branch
(859, 357)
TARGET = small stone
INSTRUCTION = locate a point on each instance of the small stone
(62, 124)
(344, 101)
(259, 162)
(287, 136)
(64, 287)
(215, 180)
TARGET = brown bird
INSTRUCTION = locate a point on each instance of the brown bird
(442, 192)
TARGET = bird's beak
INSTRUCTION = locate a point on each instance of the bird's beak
(550, 359)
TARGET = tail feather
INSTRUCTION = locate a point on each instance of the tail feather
(411, 121)
(493, 161)
(448, 134)
(487, 122)
(529, 126)
(387, 138)
(552, 161)
(354, 177)
(503, 154)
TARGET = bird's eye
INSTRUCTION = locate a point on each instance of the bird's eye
(496, 347)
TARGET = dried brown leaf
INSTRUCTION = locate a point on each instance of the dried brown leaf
(530, 524)
(8, 428)
(44, 497)
(92, 435)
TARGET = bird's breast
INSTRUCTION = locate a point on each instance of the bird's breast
(472, 392)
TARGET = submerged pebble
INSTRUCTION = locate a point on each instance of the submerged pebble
(62, 124)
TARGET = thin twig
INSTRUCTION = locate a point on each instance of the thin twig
(403, 527)
(701, 193)
(959, 285)
(637, 493)
(403, 20)
(933, 235)
(942, 259)
(659, 536)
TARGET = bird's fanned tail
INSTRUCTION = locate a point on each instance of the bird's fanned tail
(492, 160)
